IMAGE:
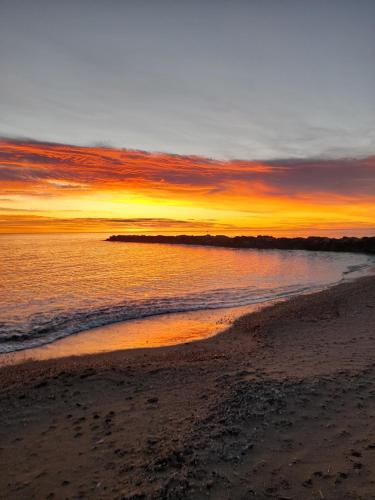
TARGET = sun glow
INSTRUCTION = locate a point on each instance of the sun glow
(55, 187)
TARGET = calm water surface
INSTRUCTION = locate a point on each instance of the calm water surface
(56, 285)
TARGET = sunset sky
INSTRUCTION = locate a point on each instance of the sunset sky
(187, 117)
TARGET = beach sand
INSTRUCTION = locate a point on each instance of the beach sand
(281, 405)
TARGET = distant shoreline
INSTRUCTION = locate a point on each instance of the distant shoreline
(314, 243)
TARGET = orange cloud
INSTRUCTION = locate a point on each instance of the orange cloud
(101, 183)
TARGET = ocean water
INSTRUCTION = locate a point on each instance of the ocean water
(58, 284)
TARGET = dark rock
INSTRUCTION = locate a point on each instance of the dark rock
(315, 243)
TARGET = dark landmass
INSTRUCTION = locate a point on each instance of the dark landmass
(280, 406)
(316, 243)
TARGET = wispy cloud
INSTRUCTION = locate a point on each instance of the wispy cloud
(273, 194)
(26, 166)
(24, 220)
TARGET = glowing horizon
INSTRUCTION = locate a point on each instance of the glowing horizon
(49, 187)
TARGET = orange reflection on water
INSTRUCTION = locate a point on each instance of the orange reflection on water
(63, 284)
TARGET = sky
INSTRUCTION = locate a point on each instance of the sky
(57, 187)
(168, 116)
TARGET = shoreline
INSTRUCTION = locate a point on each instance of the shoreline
(129, 334)
(237, 322)
(247, 403)
(150, 332)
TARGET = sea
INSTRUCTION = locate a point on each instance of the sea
(55, 285)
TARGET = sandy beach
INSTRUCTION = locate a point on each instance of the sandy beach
(281, 405)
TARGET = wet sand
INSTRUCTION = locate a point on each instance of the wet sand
(155, 331)
(281, 405)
